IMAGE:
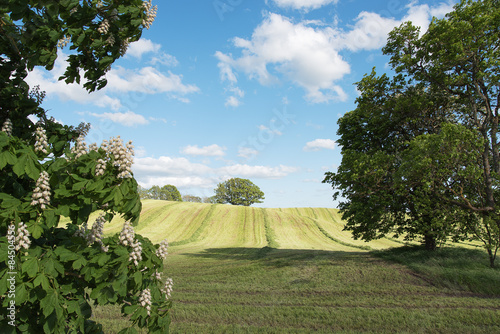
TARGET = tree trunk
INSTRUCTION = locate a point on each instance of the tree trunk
(430, 242)
(492, 258)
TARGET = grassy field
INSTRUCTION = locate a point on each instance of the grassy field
(253, 270)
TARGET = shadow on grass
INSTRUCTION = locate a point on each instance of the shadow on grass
(278, 257)
(450, 267)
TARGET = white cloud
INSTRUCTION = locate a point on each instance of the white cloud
(371, 29)
(128, 118)
(247, 152)
(121, 81)
(319, 144)
(167, 166)
(183, 173)
(307, 53)
(207, 151)
(262, 172)
(304, 55)
(303, 4)
(147, 80)
(232, 101)
(142, 46)
(273, 131)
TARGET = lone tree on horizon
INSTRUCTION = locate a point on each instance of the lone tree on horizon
(238, 191)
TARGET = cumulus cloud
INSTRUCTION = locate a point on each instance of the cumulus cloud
(308, 53)
(319, 144)
(263, 172)
(371, 29)
(299, 53)
(247, 152)
(303, 4)
(207, 151)
(232, 101)
(142, 46)
(121, 82)
(128, 118)
(183, 173)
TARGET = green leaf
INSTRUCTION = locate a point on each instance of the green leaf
(31, 169)
(41, 280)
(52, 267)
(129, 330)
(19, 167)
(36, 231)
(49, 303)
(79, 185)
(30, 266)
(65, 254)
(138, 278)
(79, 263)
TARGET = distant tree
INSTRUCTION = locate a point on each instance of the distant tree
(165, 193)
(209, 200)
(171, 193)
(143, 192)
(238, 191)
(191, 198)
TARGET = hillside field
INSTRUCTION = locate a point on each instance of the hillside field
(254, 270)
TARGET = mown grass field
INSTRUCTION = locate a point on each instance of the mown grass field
(253, 270)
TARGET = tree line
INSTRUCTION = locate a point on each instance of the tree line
(235, 191)
(420, 152)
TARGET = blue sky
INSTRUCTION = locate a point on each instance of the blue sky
(239, 88)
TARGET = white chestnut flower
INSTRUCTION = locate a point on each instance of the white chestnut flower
(167, 289)
(41, 143)
(136, 253)
(124, 46)
(127, 234)
(150, 13)
(41, 193)
(162, 251)
(110, 40)
(145, 299)
(156, 275)
(22, 237)
(95, 234)
(80, 147)
(100, 167)
(63, 42)
(7, 127)
(123, 156)
(103, 27)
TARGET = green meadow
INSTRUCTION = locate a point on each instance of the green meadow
(254, 270)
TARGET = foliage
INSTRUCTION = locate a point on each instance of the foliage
(191, 198)
(238, 191)
(373, 137)
(166, 193)
(48, 172)
(455, 63)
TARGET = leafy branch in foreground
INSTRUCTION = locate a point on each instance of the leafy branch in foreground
(49, 275)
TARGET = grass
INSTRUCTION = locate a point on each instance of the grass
(237, 290)
(253, 270)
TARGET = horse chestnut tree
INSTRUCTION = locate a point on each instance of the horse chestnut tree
(51, 275)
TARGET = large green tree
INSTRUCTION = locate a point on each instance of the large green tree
(238, 191)
(454, 66)
(167, 193)
(460, 56)
(390, 112)
(49, 275)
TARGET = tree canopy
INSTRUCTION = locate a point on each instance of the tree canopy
(238, 191)
(50, 275)
(167, 193)
(420, 151)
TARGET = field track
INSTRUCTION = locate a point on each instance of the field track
(199, 226)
